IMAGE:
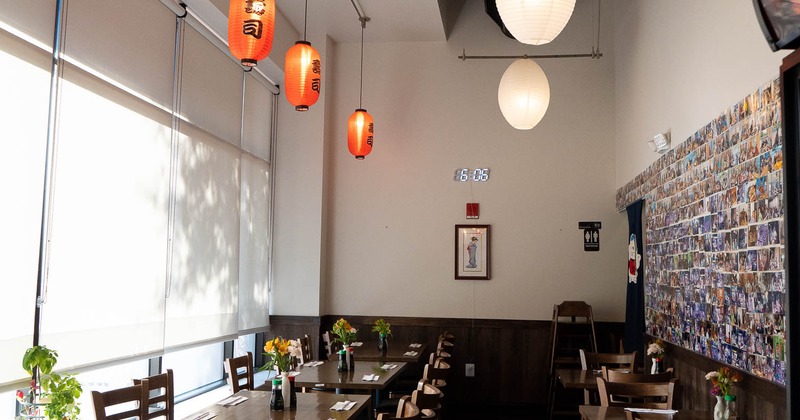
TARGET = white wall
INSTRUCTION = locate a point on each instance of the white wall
(679, 64)
(391, 217)
(299, 193)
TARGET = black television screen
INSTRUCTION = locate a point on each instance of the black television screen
(780, 22)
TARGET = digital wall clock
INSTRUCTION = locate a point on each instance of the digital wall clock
(474, 175)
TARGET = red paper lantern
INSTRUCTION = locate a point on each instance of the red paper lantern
(360, 133)
(251, 27)
(303, 75)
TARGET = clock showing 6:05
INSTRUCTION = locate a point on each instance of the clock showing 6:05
(474, 175)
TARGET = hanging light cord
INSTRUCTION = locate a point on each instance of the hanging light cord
(361, 80)
(305, 21)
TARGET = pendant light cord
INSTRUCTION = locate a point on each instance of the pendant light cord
(361, 81)
(305, 21)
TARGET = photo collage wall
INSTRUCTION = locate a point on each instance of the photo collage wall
(714, 247)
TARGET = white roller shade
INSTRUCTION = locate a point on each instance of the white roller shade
(254, 243)
(203, 295)
(24, 76)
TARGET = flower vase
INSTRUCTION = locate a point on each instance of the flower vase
(286, 388)
(719, 408)
(383, 343)
(657, 367)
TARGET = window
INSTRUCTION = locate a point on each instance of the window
(116, 277)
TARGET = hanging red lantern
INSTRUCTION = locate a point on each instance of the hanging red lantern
(251, 27)
(360, 133)
(303, 72)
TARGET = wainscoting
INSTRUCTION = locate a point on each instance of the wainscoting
(756, 398)
(511, 357)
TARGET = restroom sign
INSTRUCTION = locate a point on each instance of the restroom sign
(591, 235)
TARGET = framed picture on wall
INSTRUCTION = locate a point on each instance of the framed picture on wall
(472, 253)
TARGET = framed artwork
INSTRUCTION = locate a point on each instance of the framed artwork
(473, 252)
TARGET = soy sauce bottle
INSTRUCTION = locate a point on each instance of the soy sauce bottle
(276, 400)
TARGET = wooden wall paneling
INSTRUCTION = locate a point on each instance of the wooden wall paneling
(756, 398)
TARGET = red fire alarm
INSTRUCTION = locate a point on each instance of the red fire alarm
(473, 210)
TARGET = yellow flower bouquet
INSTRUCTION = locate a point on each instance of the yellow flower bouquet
(345, 332)
(279, 353)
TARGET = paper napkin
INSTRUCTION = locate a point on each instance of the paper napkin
(343, 405)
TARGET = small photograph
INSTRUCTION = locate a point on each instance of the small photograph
(744, 215)
(742, 234)
(775, 259)
(772, 232)
(776, 302)
(715, 353)
(752, 260)
(776, 207)
(777, 158)
(763, 259)
(780, 372)
(778, 347)
(761, 188)
(775, 181)
(778, 282)
(752, 235)
(763, 235)
(762, 210)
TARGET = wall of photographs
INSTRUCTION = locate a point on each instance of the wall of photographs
(714, 278)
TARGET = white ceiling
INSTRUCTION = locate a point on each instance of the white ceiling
(390, 20)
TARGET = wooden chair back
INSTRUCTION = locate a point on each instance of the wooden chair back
(428, 399)
(642, 394)
(240, 372)
(614, 360)
(306, 355)
(161, 395)
(405, 410)
(330, 346)
(437, 372)
(120, 401)
(442, 342)
(612, 375)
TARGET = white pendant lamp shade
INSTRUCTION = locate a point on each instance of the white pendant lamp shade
(524, 94)
(535, 22)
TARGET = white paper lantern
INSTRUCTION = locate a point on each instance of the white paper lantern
(524, 94)
(535, 22)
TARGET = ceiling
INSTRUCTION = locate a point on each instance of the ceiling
(390, 20)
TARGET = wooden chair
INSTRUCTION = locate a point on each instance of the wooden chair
(571, 329)
(330, 347)
(405, 410)
(240, 372)
(161, 395)
(612, 375)
(132, 395)
(595, 361)
(306, 355)
(428, 398)
(436, 373)
(645, 394)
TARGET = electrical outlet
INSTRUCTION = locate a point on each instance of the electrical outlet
(469, 372)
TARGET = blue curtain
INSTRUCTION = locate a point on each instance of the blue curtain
(634, 307)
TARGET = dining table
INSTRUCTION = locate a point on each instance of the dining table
(254, 405)
(578, 378)
(396, 352)
(595, 412)
(370, 376)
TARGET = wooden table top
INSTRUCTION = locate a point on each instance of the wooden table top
(310, 406)
(368, 351)
(578, 378)
(326, 375)
(594, 412)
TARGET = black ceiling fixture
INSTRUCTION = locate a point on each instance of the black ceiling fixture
(491, 10)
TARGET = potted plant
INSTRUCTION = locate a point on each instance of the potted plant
(384, 330)
(58, 393)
